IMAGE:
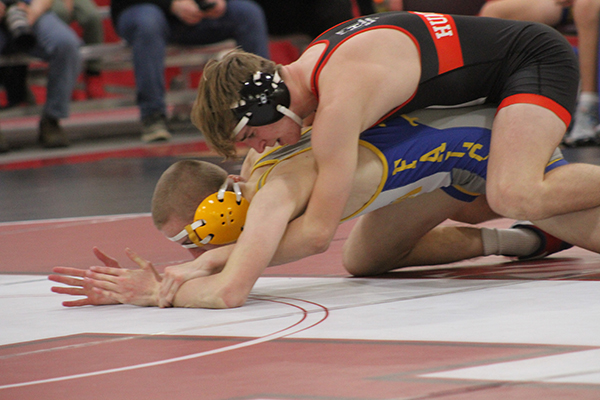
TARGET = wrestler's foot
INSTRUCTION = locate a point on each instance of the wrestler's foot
(548, 244)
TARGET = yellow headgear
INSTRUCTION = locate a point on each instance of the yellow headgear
(219, 219)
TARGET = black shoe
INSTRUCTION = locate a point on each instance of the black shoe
(51, 134)
(3, 144)
(548, 244)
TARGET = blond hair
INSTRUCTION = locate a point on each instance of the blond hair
(182, 187)
(218, 90)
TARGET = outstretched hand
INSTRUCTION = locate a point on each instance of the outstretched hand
(78, 286)
(128, 286)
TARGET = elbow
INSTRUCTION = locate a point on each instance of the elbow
(231, 297)
(233, 301)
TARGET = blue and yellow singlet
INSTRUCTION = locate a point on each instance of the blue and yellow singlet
(430, 149)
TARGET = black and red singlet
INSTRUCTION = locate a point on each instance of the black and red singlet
(468, 59)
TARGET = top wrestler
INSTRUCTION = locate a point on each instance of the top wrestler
(405, 184)
(363, 71)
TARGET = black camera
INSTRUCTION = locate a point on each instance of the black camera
(206, 5)
(15, 20)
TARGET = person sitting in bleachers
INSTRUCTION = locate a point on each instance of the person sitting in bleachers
(31, 27)
(149, 25)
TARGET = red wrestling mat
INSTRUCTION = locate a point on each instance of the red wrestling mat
(308, 332)
(283, 369)
(113, 233)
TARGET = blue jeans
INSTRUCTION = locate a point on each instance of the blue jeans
(59, 45)
(148, 30)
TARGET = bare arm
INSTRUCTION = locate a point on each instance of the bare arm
(271, 209)
(335, 148)
(345, 110)
(347, 107)
(209, 263)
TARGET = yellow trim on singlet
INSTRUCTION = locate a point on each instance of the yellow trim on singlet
(273, 163)
(553, 161)
(463, 190)
(375, 150)
(384, 175)
(263, 177)
(260, 163)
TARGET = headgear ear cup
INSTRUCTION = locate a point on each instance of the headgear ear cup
(264, 99)
(219, 219)
(224, 218)
(260, 96)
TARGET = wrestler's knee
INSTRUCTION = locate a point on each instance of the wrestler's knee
(356, 262)
(364, 263)
(352, 261)
(358, 267)
(515, 201)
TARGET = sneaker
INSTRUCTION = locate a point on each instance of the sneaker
(3, 144)
(548, 244)
(154, 129)
(584, 130)
(94, 86)
(51, 134)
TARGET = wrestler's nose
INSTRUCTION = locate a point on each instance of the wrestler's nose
(257, 144)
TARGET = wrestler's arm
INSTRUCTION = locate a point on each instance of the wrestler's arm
(344, 111)
(268, 215)
(209, 262)
(335, 149)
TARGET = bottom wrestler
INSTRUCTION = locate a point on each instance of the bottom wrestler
(413, 174)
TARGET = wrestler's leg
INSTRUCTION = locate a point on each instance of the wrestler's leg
(580, 228)
(476, 212)
(407, 233)
(523, 138)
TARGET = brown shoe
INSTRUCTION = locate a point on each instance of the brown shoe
(154, 129)
(51, 134)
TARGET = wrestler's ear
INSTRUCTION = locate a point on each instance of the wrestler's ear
(236, 178)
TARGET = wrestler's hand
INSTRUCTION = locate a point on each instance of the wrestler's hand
(217, 10)
(187, 11)
(177, 275)
(128, 286)
(74, 278)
